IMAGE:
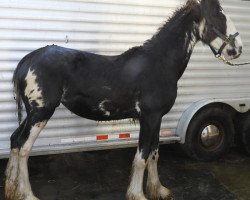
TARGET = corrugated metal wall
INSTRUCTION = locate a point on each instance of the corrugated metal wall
(107, 27)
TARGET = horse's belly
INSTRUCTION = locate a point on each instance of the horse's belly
(100, 110)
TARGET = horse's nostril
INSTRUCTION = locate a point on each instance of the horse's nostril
(231, 52)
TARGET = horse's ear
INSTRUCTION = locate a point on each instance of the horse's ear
(209, 8)
(194, 5)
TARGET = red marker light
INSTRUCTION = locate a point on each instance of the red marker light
(102, 137)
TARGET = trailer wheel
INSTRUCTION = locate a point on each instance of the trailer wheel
(244, 135)
(209, 135)
(246, 139)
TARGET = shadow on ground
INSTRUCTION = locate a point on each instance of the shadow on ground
(103, 175)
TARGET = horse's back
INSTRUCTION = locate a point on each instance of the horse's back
(42, 73)
(58, 59)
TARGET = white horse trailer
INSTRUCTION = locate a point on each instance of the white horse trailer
(213, 98)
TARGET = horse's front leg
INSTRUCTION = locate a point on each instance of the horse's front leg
(135, 189)
(155, 190)
(149, 130)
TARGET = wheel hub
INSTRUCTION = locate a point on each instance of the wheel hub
(211, 137)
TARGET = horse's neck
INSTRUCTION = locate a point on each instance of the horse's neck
(173, 44)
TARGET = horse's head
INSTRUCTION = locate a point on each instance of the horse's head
(218, 31)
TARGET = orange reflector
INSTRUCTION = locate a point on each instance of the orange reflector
(102, 137)
(124, 135)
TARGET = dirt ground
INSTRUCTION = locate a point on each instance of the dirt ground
(103, 175)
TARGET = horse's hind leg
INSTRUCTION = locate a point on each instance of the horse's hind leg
(12, 167)
(17, 185)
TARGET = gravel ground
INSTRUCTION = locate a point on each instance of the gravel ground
(103, 175)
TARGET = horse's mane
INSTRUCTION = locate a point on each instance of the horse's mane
(174, 21)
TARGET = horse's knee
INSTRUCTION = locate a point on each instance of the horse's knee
(139, 161)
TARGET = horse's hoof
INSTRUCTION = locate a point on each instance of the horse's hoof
(135, 197)
(13, 192)
(19, 197)
(166, 194)
(9, 190)
(33, 198)
(168, 197)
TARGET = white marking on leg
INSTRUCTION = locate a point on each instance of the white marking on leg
(11, 174)
(135, 189)
(24, 187)
(154, 187)
(102, 108)
(34, 132)
(32, 90)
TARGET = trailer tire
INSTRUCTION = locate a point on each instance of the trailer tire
(244, 135)
(209, 135)
(246, 139)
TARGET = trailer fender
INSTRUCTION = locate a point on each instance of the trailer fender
(239, 104)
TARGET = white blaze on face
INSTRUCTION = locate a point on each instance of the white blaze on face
(32, 90)
(231, 30)
(218, 42)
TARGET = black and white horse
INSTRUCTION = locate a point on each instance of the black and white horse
(141, 83)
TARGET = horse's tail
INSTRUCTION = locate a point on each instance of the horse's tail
(18, 97)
